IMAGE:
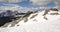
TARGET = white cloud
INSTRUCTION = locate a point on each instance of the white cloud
(40, 2)
(57, 2)
(45, 2)
(12, 1)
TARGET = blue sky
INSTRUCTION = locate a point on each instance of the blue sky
(28, 4)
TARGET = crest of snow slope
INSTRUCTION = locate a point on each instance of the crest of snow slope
(37, 24)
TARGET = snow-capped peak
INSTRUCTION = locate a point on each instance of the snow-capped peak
(36, 23)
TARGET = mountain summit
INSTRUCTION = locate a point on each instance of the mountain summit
(35, 22)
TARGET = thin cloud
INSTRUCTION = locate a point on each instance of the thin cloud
(12, 1)
(40, 2)
(44, 2)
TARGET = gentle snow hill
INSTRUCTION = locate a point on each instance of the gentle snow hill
(36, 24)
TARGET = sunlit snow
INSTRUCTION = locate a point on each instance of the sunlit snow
(36, 24)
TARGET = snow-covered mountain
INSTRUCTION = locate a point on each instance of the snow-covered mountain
(14, 7)
(35, 22)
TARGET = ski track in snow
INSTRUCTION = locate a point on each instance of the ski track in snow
(36, 24)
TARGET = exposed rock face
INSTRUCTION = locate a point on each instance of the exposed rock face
(33, 15)
(52, 11)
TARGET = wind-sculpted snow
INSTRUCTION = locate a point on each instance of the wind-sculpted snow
(35, 23)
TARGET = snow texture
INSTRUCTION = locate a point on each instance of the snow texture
(36, 24)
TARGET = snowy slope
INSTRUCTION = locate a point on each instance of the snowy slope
(36, 24)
